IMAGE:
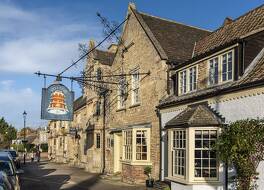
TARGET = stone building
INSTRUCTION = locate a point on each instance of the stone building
(149, 45)
(117, 130)
(222, 83)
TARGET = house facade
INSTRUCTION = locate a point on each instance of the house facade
(142, 60)
(221, 83)
(119, 132)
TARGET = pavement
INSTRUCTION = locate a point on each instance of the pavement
(52, 176)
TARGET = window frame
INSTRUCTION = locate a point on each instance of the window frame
(209, 157)
(127, 145)
(220, 67)
(188, 81)
(189, 177)
(135, 87)
(97, 143)
(121, 100)
(133, 159)
(176, 149)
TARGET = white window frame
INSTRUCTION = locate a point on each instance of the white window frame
(227, 65)
(135, 147)
(178, 148)
(220, 67)
(203, 149)
(135, 87)
(186, 75)
(121, 96)
(127, 145)
(189, 177)
(141, 142)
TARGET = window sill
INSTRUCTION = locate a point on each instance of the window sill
(136, 163)
(183, 181)
(120, 109)
(134, 105)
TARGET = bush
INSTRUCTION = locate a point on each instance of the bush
(242, 144)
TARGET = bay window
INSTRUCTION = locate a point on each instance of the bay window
(191, 158)
(178, 152)
(136, 145)
(204, 156)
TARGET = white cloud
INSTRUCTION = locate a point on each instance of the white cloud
(33, 41)
(14, 101)
(11, 12)
(31, 55)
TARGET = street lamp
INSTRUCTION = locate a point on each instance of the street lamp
(24, 116)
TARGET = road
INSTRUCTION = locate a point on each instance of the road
(51, 176)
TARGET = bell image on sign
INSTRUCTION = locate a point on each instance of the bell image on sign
(57, 103)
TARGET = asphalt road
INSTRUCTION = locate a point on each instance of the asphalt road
(51, 176)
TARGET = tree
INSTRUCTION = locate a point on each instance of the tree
(8, 132)
(241, 144)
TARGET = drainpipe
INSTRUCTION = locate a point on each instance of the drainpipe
(104, 116)
(161, 146)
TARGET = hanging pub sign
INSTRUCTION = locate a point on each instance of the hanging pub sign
(57, 103)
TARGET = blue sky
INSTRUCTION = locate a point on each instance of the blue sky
(44, 35)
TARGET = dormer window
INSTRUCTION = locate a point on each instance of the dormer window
(213, 71)
(188, 80)
(227, 66)
(221, 68)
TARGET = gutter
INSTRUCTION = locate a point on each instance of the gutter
(215, 93)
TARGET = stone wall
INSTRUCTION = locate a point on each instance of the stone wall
(141, 55)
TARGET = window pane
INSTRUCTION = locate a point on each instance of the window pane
(205, 159)
(212, 163)
(198, 172)
(178, 161)
(198, 134)
(198, 143)
(198, 163)
(141, 148)
(205, 172)
(213, 173)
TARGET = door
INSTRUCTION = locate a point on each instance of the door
(118, 147)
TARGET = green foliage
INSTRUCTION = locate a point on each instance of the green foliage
(166, 188)
(44, 147)
(147, 171)
(8, 132)
(242, 144)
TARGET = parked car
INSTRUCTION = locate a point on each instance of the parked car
(14, 155)
(7, 165)
(4, 182)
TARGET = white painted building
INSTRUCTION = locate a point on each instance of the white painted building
(223, 82)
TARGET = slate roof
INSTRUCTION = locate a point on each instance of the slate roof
(240, 27)
(174, 41)
(194, 116)
(254, 75)
(104, 57)
(79, 103)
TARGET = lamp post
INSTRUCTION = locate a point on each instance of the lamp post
(24, 116)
